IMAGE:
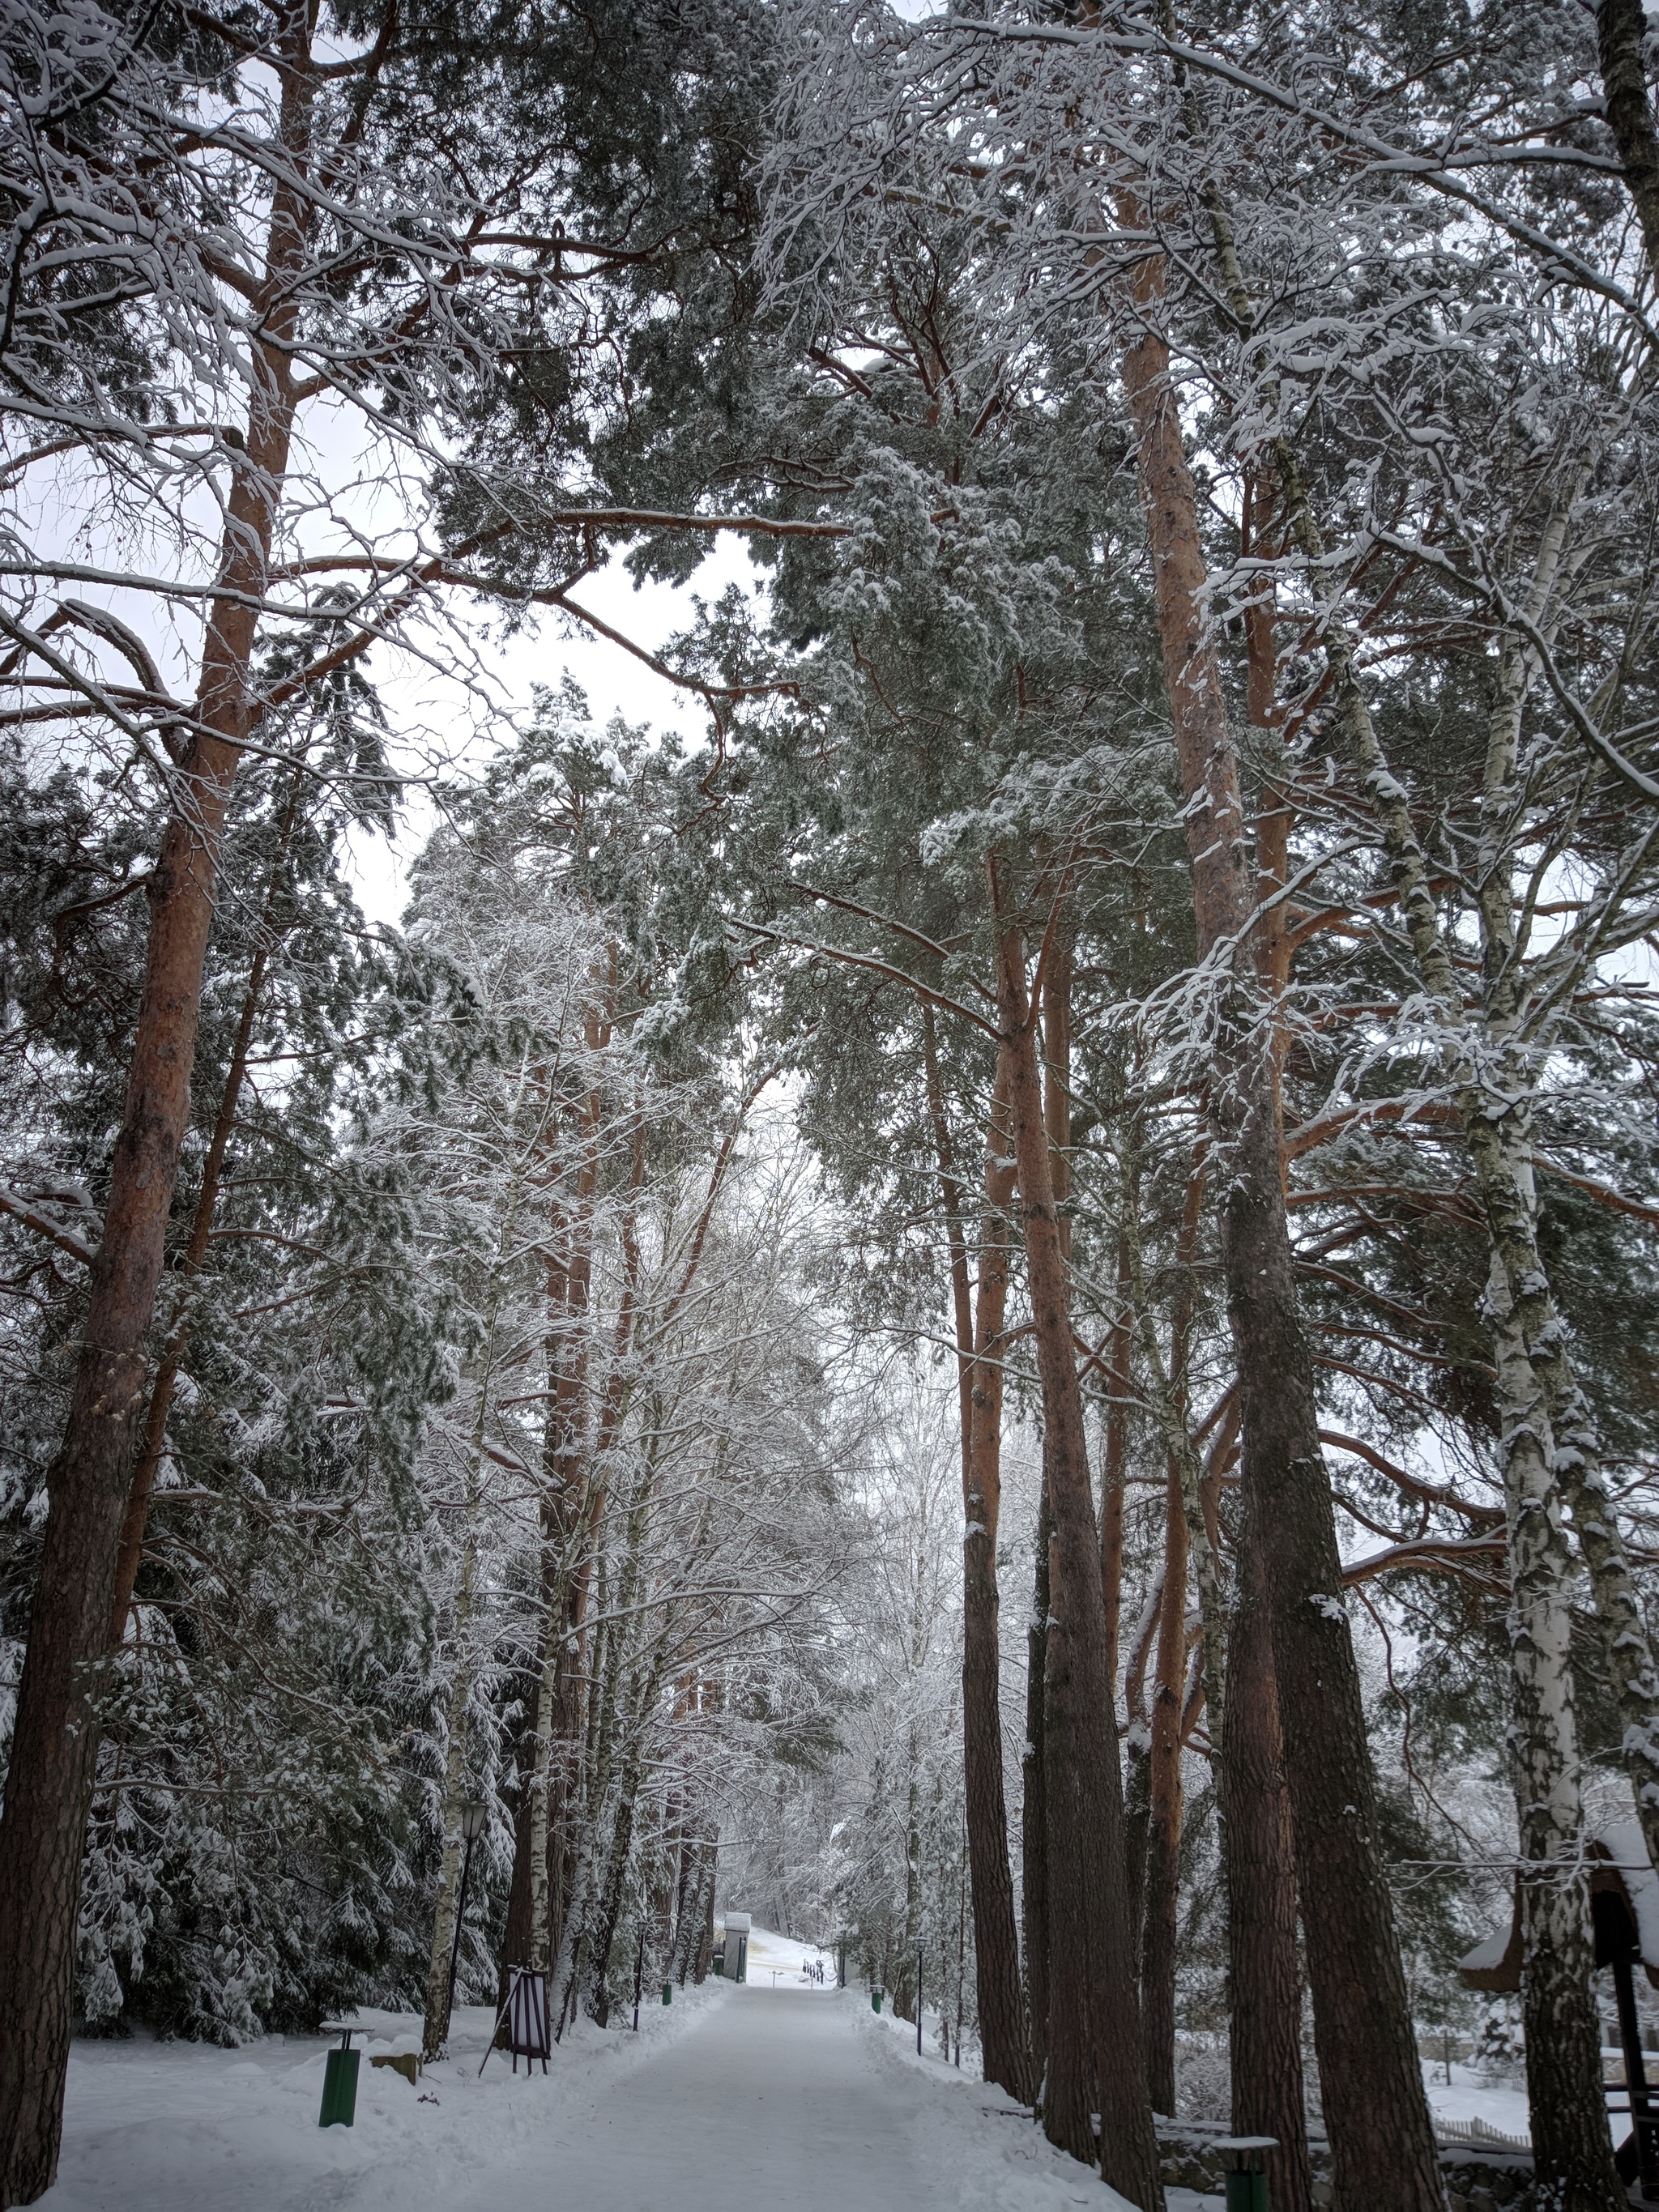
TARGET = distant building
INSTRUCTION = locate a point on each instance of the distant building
(734, 1952)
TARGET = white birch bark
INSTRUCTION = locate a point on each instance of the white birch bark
(1492, 1084)
(1625, 1646)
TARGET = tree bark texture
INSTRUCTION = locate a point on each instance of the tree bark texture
(566, 1517)
(1572, 2147)
(1138, 1750)
(1096, 2044)
(1264, 1976)
(695, 1904)
(153, 1440)
(1114, 1460)
(57, 1734)
(1382, 2143)
(1005, 2055)
(1034, 1818)
(434, 2030)
(1621, 38)
(1164, 1810)
(906, 1994)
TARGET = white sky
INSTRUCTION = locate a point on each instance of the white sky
(464, 727)
(451, 691)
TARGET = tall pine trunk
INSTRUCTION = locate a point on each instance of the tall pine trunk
(1264, 1975)
(434, 2029)
(153, 1440)
(1034, 1813)
(1382, 2142)
(57, 1729)
(1005, 2056)
(1096, 2046)
(1621, 28)
(1164, 1810)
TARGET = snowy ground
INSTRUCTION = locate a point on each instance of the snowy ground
(784, 2093)
(792, 2096)
(1471, 2097)
(779, 1962)
(180, 2127)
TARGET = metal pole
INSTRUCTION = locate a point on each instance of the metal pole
(638, 1977)
(918, 2000)
(455, 1951)
(1644, 2133)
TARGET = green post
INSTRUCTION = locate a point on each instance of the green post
(340, 2088)
(875, 2000)
(1246, 2192)
(1247, 2176)
(668, 1993)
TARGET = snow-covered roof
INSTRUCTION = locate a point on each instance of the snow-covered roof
(1496, 1964)
(1623, 1843)
(1618, 1854)
(1488, 1957)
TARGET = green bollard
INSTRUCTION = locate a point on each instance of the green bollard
(1247, 2179)
(340, 2088)
(875, 2000)
(1246, 2192)
(668, 1993)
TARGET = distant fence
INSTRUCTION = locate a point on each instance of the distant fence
(1478, 2131)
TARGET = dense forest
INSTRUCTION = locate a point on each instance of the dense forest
(997, 1297)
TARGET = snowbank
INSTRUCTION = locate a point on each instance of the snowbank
(180, 2127)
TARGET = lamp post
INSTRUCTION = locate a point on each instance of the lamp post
(474, 1818)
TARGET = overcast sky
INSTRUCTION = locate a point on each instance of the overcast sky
(440, 721)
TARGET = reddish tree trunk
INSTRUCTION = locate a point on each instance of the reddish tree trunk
(196, 1252)
(1382, 2143)
(1096, 2049)
(55, 1743)
(1265, 1974)
(1034, 1818)
(1164, 1806)
(1265, 1979)
(1005, 2052)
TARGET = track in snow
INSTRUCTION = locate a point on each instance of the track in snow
(773, 2099)
(755, 2100)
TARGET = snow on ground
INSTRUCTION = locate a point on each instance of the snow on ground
(788, 2092)
(990, 2149)
(183, 2127)
(759, 2097)
(1472, 2095)
(779, 1962)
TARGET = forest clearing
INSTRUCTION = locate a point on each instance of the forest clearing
(829, 1100)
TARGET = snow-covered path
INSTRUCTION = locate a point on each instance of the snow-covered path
(772, 2099)
(791, 2099)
